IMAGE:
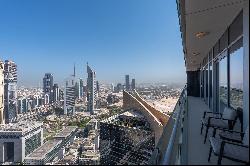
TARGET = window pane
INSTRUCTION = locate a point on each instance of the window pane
(210, 84)
(236, 78)
(223, 83)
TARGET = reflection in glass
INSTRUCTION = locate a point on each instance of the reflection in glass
(223, 84)
(236, 78)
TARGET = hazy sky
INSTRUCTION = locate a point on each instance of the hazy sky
(116, 37)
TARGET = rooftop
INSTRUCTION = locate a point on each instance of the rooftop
(47, 147)
(132, 113)
(22, 126)
(65, 132)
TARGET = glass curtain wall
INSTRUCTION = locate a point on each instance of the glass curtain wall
(222, 70)
(236, 75)
(223, 83)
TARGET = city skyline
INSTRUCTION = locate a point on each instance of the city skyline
(115, 38)
(128, 82)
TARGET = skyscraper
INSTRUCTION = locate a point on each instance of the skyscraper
(133, 84)
(77, 89)
(48, 88)
(91, 90)
(70, 94)
(1, 93)
(10, 92)
(56, 93)
(127, 86)
(80, 88)
(97, 88)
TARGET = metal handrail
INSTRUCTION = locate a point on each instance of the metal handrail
(167, 156)
(172, 127)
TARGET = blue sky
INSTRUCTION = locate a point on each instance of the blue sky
(116, 37)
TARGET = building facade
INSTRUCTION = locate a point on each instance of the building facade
(22, 105)
(126, 139)
(48, 88)
(127, 84)
(133, 84)
(81, 88)
(69, 96)
(52, 149)
(56, 93)
(10, 91)
(2, 121)
(18, 140)
(91, 90)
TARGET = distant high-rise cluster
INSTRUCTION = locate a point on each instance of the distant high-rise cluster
(128, 86)
(91, 90)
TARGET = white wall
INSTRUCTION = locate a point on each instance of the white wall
(246, 64)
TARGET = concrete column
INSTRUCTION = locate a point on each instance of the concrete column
(193, 83)
(19, 147)
(246, 64)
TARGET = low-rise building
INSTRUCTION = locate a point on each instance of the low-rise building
(17, 140)
(45, 153)
(89, 158)
(52, 150)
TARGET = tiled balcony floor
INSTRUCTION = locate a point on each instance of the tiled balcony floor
(197, 151)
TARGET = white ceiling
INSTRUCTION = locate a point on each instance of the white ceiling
(212, 16)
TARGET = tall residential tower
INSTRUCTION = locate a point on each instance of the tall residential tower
(48, 88)
(91, 90)
(1, 93)
(10, 92)
(133, 84)
(127, 85)
(70, 95)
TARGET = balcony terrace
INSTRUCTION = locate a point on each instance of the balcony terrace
(197, 151)
(181, 142)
